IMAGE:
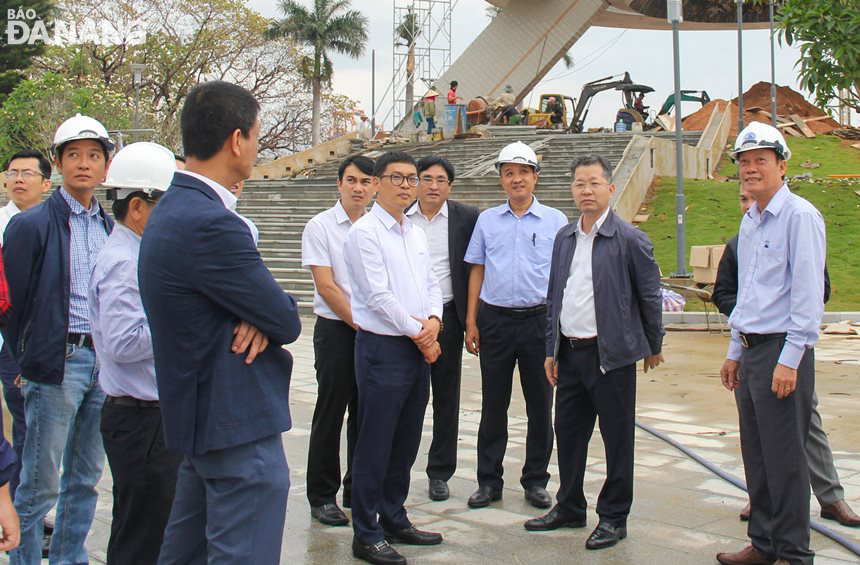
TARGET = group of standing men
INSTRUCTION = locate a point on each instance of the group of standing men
(399, 288)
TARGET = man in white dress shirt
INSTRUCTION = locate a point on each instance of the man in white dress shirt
(323, 241)
(603, 315)
(397, 304)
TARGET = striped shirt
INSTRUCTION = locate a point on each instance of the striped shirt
(88, 235)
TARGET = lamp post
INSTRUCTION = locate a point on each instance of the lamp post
(772, 69)
(740, 4)
(137, 69)
(675, 15)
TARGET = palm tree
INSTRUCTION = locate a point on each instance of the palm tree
(330, 26)
(408, 30)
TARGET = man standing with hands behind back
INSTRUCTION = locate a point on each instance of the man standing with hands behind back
(604, 313)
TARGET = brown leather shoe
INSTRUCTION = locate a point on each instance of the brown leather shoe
(747, 556)
(842, 513)
(781, 562)
(745, 513)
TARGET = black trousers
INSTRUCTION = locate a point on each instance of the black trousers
(584, 393)
(507, 341)
(773, 443)
(445, 375)
(144, 482)
(334, 361)
(393, 389)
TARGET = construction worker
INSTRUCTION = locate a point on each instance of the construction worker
(143, 470)
(510, 251)
(504, 106)
(770, 364)
(53, 247)
(430, 110)
(555, 112)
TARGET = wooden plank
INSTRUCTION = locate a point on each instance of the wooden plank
(817, 118)
(848, 176)
(801, 125)
(855, 145)
(793, 132)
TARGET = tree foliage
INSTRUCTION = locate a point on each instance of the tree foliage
(826, 32)
(330, 26)
(16, 58)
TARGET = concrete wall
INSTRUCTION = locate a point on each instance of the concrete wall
(285, 167)
(646, 158)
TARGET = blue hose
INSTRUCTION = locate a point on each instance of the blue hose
(820, 528)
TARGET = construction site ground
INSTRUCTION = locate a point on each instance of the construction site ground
(682, 513)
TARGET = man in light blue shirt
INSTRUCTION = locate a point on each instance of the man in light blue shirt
(770, 362)
(510, 250)
(144, 471)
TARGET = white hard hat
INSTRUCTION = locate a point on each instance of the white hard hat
(140, 167)
(758, 135)
(517, 152)
(80, 127)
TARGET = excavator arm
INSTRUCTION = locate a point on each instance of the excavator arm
(588, 92)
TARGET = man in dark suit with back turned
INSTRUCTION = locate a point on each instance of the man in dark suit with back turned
(448, 226)
(210, 300)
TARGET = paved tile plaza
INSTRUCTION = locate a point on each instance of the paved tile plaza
(682, 512)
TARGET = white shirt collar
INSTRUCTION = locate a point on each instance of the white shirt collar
(225, 195)
(416, 209)
(388, 220)
(340, 214)
(12, 209)
(596, 225)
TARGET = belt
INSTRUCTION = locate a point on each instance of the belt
(751, 340)
(579, 343)
(130, 401)
(81, 340)
(518, 312)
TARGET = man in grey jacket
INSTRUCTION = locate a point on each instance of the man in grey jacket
(604, 315)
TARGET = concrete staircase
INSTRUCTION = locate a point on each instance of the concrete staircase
(281, 208)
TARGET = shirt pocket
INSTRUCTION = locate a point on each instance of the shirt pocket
(773, 264)
(539, 248)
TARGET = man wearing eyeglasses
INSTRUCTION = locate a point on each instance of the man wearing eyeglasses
(448, 226)
(28, 177)
(397, 304)
(603, 315)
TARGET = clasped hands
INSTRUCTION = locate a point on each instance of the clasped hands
(248, 338)
(425, 340)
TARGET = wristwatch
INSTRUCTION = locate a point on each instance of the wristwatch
(438, 319)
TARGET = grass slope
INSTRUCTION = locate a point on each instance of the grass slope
(713, 213)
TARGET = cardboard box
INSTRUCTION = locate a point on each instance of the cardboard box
(705, 259)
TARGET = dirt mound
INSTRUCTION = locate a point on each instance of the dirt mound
(788, 101)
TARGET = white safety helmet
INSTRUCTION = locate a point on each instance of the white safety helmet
(517, 152)
(140, 167)
(758, 135)
(80, 127)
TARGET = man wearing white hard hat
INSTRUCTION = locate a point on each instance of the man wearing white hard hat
(510, 250)
(770, 362)
(53, 247)
(143, 470)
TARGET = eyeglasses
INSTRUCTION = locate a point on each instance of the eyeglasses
(441, 182)
(593, 185)
(397, 179)
(26, 174)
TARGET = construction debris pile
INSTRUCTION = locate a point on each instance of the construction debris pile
(795, 115)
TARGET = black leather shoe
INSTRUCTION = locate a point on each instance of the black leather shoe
(413, 536)
(538, 497)
(554, 519)
(483, 497)
(379, 553)
(439, 490)
(605, 535)
(329, 515)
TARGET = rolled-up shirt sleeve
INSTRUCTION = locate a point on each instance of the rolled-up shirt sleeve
(806, 253)
(123, 322)
(367, 271)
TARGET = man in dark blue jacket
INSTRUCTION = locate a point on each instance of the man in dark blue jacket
(203, 284)
(603, 315)
(52, 247)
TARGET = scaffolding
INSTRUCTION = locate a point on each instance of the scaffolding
(422, 51)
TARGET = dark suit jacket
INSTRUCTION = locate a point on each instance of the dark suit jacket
(627, 299)
(200, 274)
(725, 294)
(461, 223)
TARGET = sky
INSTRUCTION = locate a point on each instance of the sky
(708, 59)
